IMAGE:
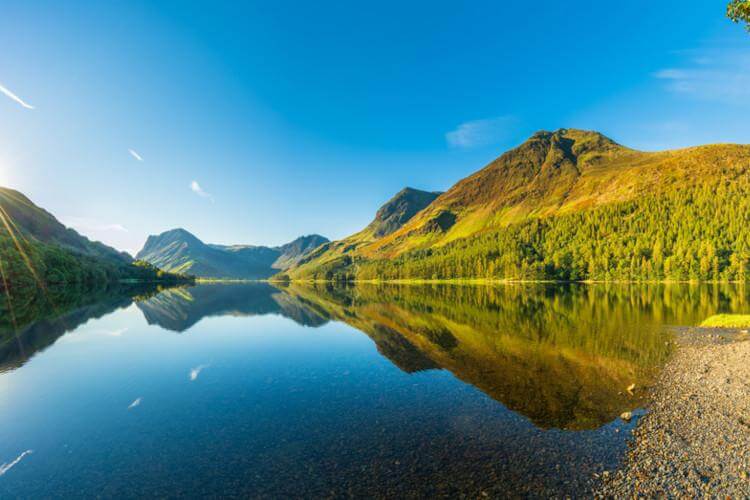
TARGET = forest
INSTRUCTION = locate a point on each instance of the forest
(692, 234)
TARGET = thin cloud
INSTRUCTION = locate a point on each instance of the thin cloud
(713, 75)
(116, 333)
(197, 371)
(86, 224)
(135, 155)
(135, 403)
(197, 189)
(6, 467)
(477, 133)
(13, 96)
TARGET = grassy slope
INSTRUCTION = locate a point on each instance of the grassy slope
(396, 212)
(550, 174)
(727, 321)
(36, 249)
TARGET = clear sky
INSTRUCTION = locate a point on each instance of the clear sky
(260, 122)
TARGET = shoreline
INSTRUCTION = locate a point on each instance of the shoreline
(695, 440)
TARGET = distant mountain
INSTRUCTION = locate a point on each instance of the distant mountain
(181, 252)
(36, 249)
(569, 205)
(389, 218)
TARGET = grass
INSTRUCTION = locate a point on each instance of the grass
(727, 321)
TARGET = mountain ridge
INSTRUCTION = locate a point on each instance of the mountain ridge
(36, 250)
(178, 250)
(390, 217)
(552, 174)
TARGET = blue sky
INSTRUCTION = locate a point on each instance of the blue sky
(262, 122)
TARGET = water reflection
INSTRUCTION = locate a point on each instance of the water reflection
(178, 309)
(246, 403)
(560, 355)
(31, 320)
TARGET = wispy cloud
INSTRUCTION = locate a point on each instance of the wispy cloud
(135, 403)
(13, 96)
(478, 133)
(115, 333)
(715, 75)
(6, 467)
(197, 189)
(87, 224)
(197, 371)
(135, 154)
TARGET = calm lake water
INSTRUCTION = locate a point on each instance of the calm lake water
(391, 391)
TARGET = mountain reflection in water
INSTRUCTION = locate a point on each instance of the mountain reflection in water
(562, 356)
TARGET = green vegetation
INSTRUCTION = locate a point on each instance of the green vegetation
(697, 234)
(181, 252)
(37, 251)
(396, 212)
(571, 206)
(728, 321)
(739, 11)
(32, 264)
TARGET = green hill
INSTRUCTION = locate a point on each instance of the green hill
(181, 252)
(333, 256)
(37, 250)
(571, 205)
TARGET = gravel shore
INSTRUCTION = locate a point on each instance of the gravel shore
(695, 440)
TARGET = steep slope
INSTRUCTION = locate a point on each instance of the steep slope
(389, 218)
(36, 250)
(293, 252)
(22, 215)
(398, 211)
(551, 178)
(180, 251)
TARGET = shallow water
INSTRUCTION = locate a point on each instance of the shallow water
(263, 391)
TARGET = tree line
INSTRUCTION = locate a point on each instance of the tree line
(690, 234)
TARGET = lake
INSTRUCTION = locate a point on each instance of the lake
(255, 390)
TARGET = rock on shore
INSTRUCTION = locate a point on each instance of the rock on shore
(696, 439)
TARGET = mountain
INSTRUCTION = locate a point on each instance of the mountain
(36, 249)
(398, 211)
(389, 218)
(180, 251)
(571, 204)
(22, 215)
